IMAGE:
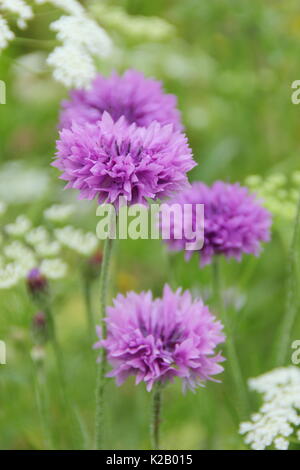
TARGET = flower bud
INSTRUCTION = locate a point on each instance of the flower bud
(93, 264)
(40, 328)
(37, 283)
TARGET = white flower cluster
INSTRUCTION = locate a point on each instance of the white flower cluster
(28, 247)
(70, 6)
(21, 225)
(81, 39)
(278, 418)
(59, 212)
(20, 9)
(82, 243)
(278, 192)
(9, 276)
(151, 28)
(53, 268)
(6, 34)
(21, 260)
(21, 184)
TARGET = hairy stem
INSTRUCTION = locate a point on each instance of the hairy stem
(291, 303)
(100, 386)
(156, 415)
(87, 294)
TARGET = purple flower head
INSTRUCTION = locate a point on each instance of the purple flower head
(110, 159)
(234, 221)
(140, 100)
(36, 282)
(160, 339)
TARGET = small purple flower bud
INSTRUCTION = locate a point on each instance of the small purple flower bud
(37, 283)
(40, 328)
(93, 265)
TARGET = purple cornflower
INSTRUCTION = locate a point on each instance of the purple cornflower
(111, 159)
(140, 100)
(234, 221)
(156, 340)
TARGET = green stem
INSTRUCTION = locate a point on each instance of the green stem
(291, 303)
(70, 410)
(100, 386)
(87, 293)
(58, 353)
(156, 416)
(237, 376)
(41, 402)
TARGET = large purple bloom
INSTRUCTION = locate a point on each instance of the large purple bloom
(160, 339)
(234, 221)
(140, 100)
(112, 159)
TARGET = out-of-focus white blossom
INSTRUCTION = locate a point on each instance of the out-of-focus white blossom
(21, 225)
(151, 28)
(278, 417)
(83, 32)
(9, 276)
(279, 193)
(53, 268)
(38, 353)
(47, 248)
(83, 243)
(3, 207)
(37, 235)
(22, 255)
(81, 38)
(20, 9)
(6, 34)
(59, 212)
(70, 6)
(72, 66)
(21, 184)
(281, 444)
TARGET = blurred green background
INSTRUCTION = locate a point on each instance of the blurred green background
(231, 65)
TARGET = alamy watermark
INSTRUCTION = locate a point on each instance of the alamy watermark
(2, 92)
(158, 221)
(296, 354)
(2, 352)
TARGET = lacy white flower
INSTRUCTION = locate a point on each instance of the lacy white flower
(9, 276)
(47, 248)
(21, 183)
(6, 34)
(81, 38)
(279, 193)
(3, 207)
(59, 212)
(37, 235)
(21, 225)
(150, 28)
(70, 6)
(72, 66)
(23, 256)
(83, 243)
(20, 9)
(278, 417)
(81, 31)
(53, 268)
